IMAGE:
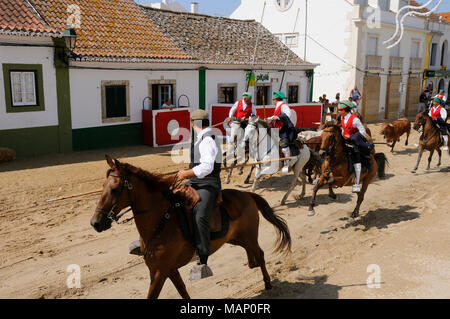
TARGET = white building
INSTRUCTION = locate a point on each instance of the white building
(347, 38)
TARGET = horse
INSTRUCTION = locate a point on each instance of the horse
(336, 168)
(296, 164)
(156, 209)
(431, 139)
(236, 146)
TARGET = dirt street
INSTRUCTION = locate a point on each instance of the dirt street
(400, 245)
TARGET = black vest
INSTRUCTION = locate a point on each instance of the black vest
(213, 179)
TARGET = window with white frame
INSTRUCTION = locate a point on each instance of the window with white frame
(434, 47)
(279, 36)
(263, 94)
(115, 101)
(372, 45)
(291, 40)
(227, 93)
(23, 88)
(293, 92)
(395, 51)
(415, 49)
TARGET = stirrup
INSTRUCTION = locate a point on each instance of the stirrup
(356, 188)
(200, 271)
(135, 248)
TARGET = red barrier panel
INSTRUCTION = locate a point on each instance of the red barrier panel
(166, 124)
(219, 113)
(147, 127)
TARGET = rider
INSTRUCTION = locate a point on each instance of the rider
(204, 175)
(355, 133)
(439, 115)
(282, 121)
(441, 96)
(242, 109)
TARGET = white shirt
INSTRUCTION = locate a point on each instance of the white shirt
(208, 152)
(244, 106)
(443, 112)
(284, 109)
(356, 123)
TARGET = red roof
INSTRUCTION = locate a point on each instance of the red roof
(445, 16)
(17, 15)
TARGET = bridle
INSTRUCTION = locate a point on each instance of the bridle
(115, 216)
(331, 144)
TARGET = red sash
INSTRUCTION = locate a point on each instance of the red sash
(241, 113)
(436, 113)
(278, 124)
(349, 129)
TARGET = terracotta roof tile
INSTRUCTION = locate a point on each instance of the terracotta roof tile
(18, 15)
(445, 16)
(433, 16)
(222, 40)
(110, 29)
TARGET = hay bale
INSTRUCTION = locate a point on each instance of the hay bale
(7, 155)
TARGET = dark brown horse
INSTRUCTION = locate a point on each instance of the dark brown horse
(153, 203)
(431, 139)
(336, 169)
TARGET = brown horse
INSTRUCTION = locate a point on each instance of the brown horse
(336, 168)
(154, 205)
(431, 139)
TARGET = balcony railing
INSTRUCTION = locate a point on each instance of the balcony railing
(396, 64)
(373, 63)
(415, 64)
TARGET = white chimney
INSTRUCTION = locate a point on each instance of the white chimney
(194, 7)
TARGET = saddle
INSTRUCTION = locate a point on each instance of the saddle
(219, 219)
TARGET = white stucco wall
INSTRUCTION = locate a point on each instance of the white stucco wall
(29, 55)
(85, 87)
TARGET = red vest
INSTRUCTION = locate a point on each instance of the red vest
(349, 129)
(241, 113)
(278, 124)
(436, 113)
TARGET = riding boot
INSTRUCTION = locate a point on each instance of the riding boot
(356, 187)
(135, 248)
(287, 153)
(445, 142)
(201, 269)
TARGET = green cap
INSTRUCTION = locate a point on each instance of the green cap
(247, 95)
(199, 115)
(438, 99)
(346, 103)
(279, 95)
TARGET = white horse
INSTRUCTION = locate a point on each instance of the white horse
(265, 147)
(235, 147)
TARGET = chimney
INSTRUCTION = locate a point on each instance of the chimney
(194, 7)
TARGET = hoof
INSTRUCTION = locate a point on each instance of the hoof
(311, 212)
(413, 171)
(268, 285)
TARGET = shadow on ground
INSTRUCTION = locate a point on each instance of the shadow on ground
(383, 217)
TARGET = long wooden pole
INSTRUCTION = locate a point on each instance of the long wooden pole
(259, 163)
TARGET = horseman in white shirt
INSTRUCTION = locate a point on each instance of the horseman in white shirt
(281, 120)
(438, 114)
(204, 177)
(354, 133)
(242, 110)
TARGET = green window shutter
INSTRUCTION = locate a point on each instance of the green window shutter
(116, 101)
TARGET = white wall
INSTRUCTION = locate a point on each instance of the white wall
(215, 77)
(29, 55)
(85, 87)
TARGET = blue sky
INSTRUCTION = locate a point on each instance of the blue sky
(224, 8)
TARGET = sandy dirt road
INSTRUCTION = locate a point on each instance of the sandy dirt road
(403, 232)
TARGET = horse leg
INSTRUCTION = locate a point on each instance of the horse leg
(331, 192)
(303, 177)
(360, 198)
(293, 183)
(256, 178)
(256, 258)
(158, 279)
(418, 159)
(179, 284)
(312, 203)
(440, 156)
(429, 159)
(392, 148)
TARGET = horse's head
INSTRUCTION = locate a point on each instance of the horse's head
(330, 137)
(116, 196)
(420, 120)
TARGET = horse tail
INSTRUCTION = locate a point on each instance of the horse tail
(381, 160)
(284, 236)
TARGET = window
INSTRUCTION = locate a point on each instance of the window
(227, 93)
(293, 93)
(24, 88)
(384, 5)
(443, 53)
(433, 54)
(415, 49)
(291, 40)
(263, 94)
(395, 51)
(115, 101)
(161, 91)
(373, 46)
(279, 36)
